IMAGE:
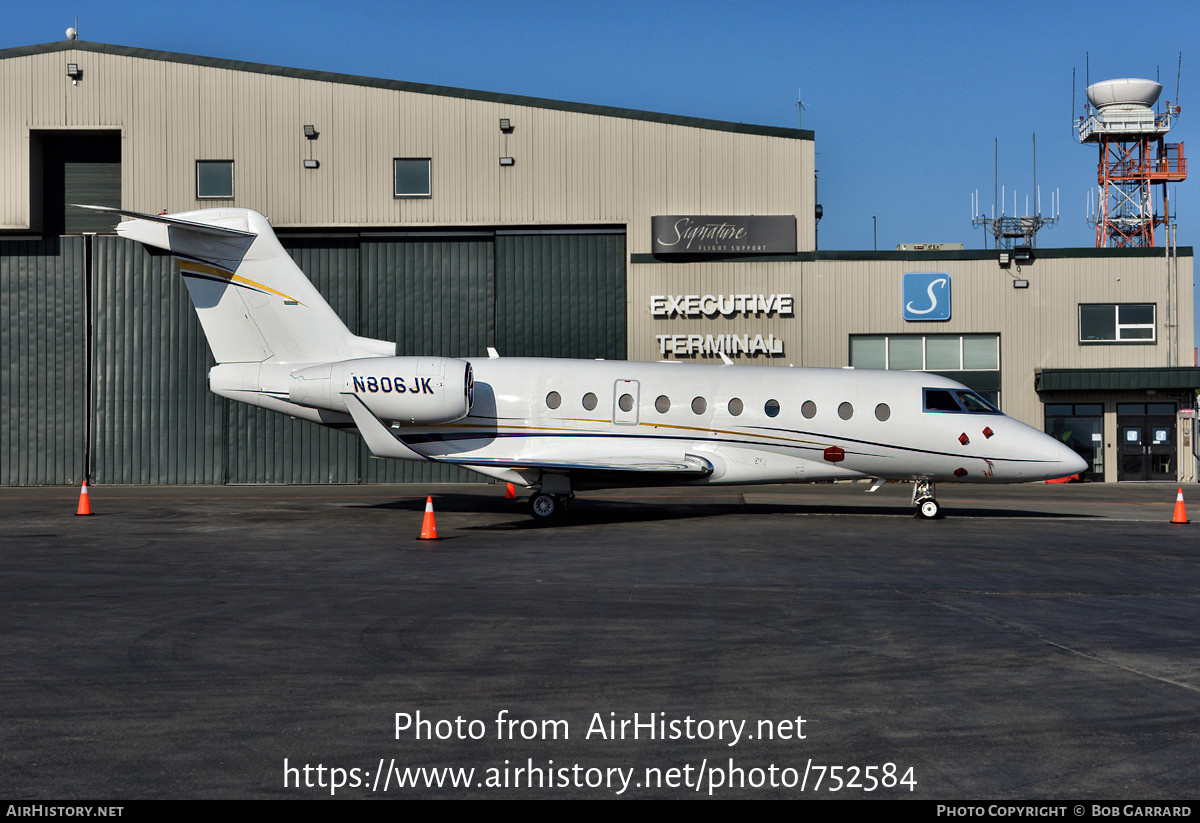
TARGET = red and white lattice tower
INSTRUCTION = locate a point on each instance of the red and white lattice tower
(1134, 158)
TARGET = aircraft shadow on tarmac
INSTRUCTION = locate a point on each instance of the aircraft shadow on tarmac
(585, 512)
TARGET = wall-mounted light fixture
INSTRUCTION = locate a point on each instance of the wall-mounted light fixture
(74, 72)
(310, 132)
(312, 164)
(506, 125)
(507, 161)
(1020, 284)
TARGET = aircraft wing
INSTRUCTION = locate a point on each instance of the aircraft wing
(690, 464)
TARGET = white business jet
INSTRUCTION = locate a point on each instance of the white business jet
(558, 426)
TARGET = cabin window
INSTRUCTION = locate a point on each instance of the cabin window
(845, 411)
(883, 412)
(699, 405)
(625, 403)
(809, 409)
(553, 400)
(663, 404)
(589, 401)
(735, 406)
(1116, 323)
(772, 408)
(411, 177)
(214, 179)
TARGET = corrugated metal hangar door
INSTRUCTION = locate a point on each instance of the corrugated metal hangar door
(153, 419)
(43, 334)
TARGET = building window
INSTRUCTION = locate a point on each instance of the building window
(971, 359)
(411, 177)
(1116, 323)
(214, 179)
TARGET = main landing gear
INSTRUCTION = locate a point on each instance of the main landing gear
(545, 507)
(923, 498)
(552, 497)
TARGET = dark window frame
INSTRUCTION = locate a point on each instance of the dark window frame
(1117, 325)
(412, 195)
(232, 180)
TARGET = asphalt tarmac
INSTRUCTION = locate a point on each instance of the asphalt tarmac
(1040, 642)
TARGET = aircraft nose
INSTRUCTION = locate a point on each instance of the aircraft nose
(1065, 460)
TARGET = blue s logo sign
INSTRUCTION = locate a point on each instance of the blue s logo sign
(926, 296)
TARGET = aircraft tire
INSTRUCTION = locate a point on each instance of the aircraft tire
(543, 506)
(928, 509)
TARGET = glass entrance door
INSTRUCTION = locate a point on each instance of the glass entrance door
(1147, 436)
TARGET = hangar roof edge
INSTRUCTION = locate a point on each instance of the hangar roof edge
(416, 88)
(911, 255)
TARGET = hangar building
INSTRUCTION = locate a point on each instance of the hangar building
(453, 220)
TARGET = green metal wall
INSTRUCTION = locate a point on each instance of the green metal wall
(561, 295)
(154, 420)
(43, 338)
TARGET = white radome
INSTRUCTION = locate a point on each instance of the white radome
(1126, 91)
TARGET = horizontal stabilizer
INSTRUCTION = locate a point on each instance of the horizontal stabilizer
(201, 228)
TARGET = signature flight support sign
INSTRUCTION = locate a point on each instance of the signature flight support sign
(926, 296)
(723, 234)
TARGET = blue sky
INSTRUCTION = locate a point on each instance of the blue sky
(906, 99)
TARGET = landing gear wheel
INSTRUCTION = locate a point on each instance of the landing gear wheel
(928, 508)
(543, 506)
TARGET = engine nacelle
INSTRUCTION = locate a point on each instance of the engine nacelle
(422, 391)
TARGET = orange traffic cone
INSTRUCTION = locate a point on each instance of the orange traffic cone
(84, 506)
(428, 526)
(510, 493)
(1180, 512)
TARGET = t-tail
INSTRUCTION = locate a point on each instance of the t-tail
(277, 343)
(254, 303)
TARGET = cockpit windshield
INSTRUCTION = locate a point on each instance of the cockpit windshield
(957, 401)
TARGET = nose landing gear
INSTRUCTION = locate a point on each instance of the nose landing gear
(923, 498)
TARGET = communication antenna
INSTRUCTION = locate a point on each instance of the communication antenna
(73, 31)
(1015, 232)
